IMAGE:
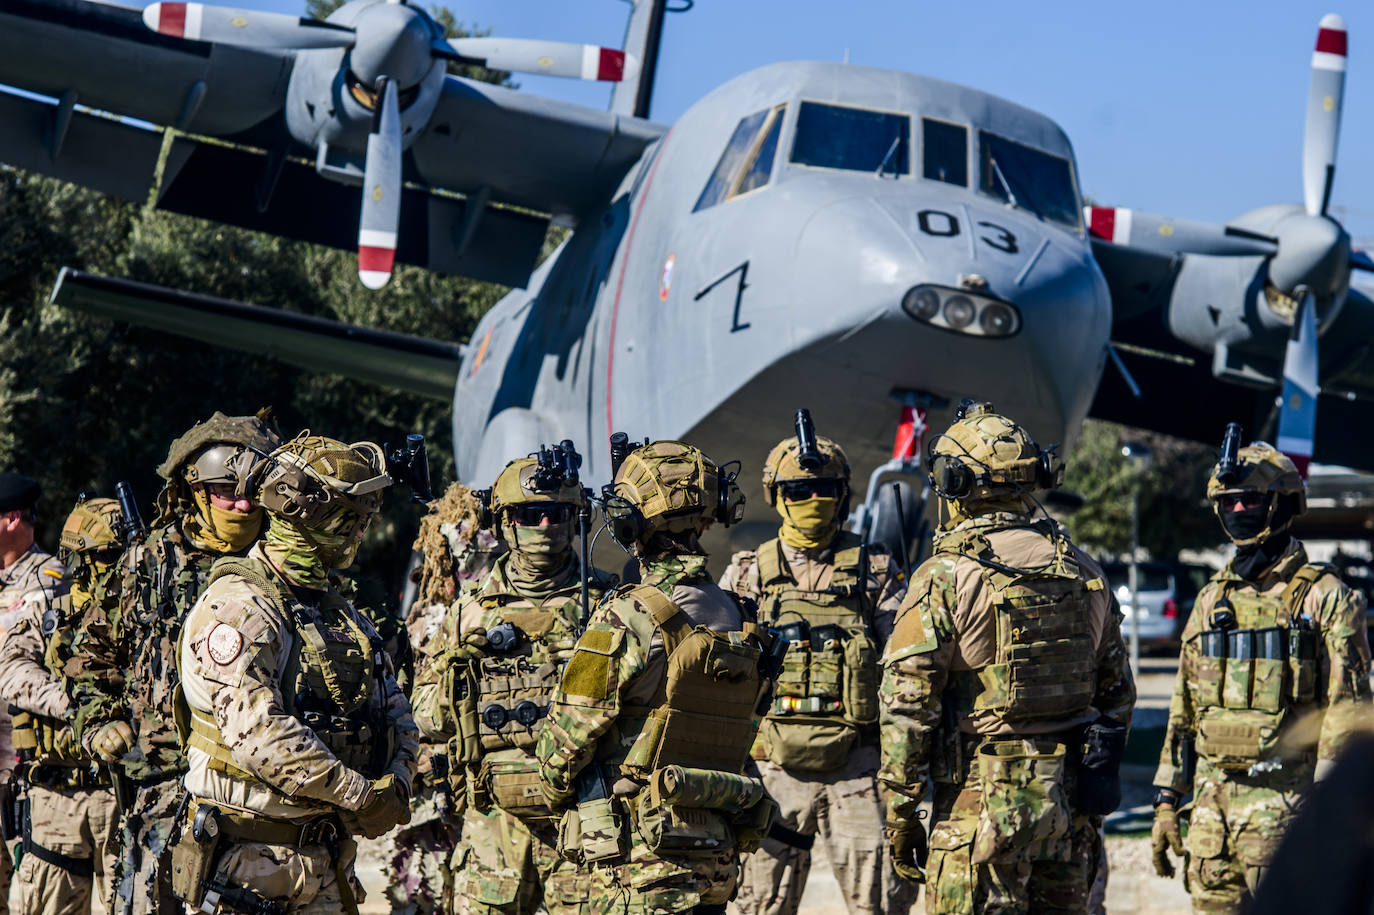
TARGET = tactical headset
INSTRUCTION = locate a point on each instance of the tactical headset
(628, 524)
(954, 477)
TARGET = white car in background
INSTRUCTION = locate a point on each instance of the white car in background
(1158, 615)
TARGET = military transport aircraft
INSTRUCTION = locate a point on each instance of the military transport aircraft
(868, 243)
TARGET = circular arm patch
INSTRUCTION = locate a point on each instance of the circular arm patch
(224, 644)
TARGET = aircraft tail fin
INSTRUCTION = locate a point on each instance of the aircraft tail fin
(643, 34)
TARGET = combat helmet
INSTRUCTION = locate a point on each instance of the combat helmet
(984, 455)
(321, 483)
(782, 465)
(1264, 469)
(520, 483)
(222, 449)
(92, 527)
(670, 487)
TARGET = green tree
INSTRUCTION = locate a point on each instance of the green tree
(1174, 513)
(85, 402)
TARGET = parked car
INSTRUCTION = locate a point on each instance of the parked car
(1189, 578)
(1159, 608)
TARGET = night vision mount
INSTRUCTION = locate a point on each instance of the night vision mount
(409, 464)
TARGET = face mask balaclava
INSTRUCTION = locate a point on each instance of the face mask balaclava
(308, 555)
(808, 524)
(1254, 559)
(221, 529)
(538, 550)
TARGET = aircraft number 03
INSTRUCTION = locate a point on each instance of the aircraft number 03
(946, 225)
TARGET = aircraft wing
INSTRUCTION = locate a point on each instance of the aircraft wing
(409, 363)
(97, 87)
(1179, 392)
(527, 150)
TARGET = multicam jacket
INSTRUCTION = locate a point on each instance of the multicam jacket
(34, 577)
(948, 629)
(1337, 684)
(124, 650)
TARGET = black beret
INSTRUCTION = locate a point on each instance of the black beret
(17, 491)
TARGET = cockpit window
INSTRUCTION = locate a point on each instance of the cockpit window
(748, 158)
(1030, 179)
(944, 151)
(858, 139)
(756, 176)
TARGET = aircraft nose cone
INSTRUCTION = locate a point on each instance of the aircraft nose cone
(1314, 251)
(393, 40)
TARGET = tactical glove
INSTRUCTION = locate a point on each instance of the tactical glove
(112, 741)
(1165, 837)
(907, 840)
(386, 805)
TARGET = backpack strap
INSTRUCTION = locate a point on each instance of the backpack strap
(668, 617)
(1295, 592)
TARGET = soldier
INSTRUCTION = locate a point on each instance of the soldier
(27, 574)
(1272, 639)
(456, 550)
(68, 845)
(653, 719)
(299, 736)
(497, 658)
(1007, 683)
(123, 669)
(818, 751)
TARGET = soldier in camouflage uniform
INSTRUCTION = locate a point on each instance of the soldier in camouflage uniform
(652, 722)
(1005, 661)
(123, 668)
(1272, 639)
(500, 684)
(27, 573)
(818, 751)
(68, 848)
(457, 550)
(299, 736)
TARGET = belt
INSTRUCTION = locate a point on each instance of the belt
(69, 777)
(326, 830)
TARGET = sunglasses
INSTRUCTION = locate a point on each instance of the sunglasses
(797, 490)
(1245, 500)
(531, 515)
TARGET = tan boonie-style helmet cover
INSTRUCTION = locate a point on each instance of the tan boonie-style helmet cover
(230, 431)
(92, 525)
(515, 485)
(990, 444)
(674, 486)
(781, 465)
(310, 479)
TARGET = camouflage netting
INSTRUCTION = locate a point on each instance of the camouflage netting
(454, 545)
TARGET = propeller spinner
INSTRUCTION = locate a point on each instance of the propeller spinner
(390, 52)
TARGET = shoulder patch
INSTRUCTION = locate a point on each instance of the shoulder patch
(224, 644)
(912, 633)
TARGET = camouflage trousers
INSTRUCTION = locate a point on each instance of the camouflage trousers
(417, 856)
(144, 871)
(1236, 825)
(507, 866)
(77, 824)
(302, 879)
(960, 882)
(652, 884)
(843, 811)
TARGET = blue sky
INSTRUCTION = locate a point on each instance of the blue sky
(1189, 109)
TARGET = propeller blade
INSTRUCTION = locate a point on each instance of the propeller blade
(547, 58)
(1164, 233)
(1360, 260)
(381, 212)
(249, 28)
(1298, 408)
(1323, 115)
